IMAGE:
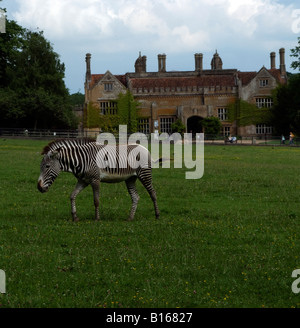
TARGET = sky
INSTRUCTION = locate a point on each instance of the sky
(244, 32)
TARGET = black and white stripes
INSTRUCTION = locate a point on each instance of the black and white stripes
(93, 163)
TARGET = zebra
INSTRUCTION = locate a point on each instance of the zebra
(92, 163)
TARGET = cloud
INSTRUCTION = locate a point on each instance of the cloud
(67, 18)
(243, 31)
(175, 25)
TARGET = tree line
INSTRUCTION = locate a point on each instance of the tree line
(32, 89)
(286, 108)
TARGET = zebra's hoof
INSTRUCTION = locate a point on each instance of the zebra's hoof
(76, 219)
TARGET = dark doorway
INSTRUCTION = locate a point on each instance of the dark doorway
(194, 125)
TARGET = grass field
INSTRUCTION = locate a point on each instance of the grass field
(230, 239)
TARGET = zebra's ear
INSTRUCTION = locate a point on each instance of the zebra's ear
(54, 154)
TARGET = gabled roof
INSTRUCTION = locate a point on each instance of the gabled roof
(247, 77)
(96, 78)
(277, 75)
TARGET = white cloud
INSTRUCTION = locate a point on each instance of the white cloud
(153, 23)
(185, 39)
(244, 9)
(66, 18)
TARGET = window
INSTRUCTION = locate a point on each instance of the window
(264, 102)
(143, 126)
(165, 124)
(108, 86)
(108, 107)
(263, 83)
(223, 114)
(263, 129)
(226, 131)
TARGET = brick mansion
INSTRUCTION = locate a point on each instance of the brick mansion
(165, 96)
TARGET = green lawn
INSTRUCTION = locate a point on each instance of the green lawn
(230, 239)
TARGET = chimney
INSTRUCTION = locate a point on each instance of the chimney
(216, 62)
(272, 58)
(282, 61)
(88, 75)
(159, 63)
(198, 62)
(162, 63)
(140, 64)
(144, 58)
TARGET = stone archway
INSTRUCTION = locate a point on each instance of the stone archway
(194, 124)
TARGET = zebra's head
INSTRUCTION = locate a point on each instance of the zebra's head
(50, 168)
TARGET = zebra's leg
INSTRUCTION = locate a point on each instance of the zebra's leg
(145, 176)
(79, 187)
(96, 192)
(152, 194)
(130, 183)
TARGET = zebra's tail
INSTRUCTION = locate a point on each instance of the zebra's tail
(157, 161)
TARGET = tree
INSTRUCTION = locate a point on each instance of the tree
(178, 126)
(286, 109)
(211, 125)
(127, 114)
(77, 99)
(246, 113)
(33, 92)
(296, 53)
(128, 111)
(10, 43)
(93, 119)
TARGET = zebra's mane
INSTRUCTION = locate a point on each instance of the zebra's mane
(56, 144)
